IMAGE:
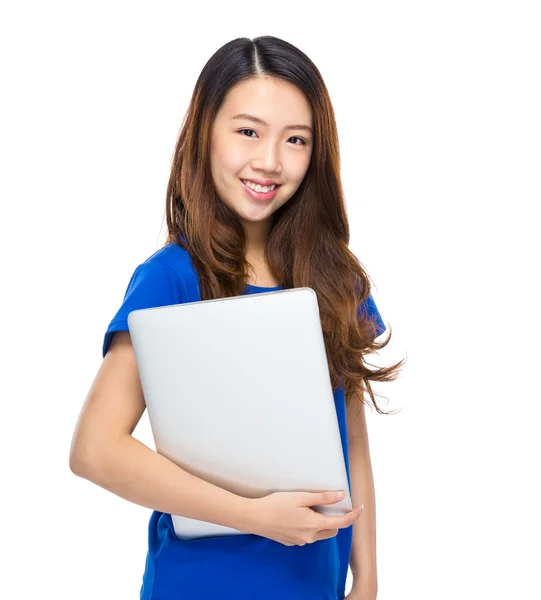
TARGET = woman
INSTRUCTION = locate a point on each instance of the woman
(254, 203)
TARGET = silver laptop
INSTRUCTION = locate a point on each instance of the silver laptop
(238, 393)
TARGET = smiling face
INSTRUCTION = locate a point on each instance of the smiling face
(242, 149)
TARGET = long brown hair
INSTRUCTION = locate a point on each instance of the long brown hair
(307, 244)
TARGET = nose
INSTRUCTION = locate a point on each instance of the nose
(268, 159)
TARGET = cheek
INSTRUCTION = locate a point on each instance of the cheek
(302, 167)
(230, 156)
(295, 168)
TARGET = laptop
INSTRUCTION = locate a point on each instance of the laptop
(238, 393)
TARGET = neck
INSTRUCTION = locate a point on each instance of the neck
(256, 238)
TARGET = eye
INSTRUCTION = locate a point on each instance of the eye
(294, 137)
(241, 130)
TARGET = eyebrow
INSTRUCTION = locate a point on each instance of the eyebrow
(248, 117)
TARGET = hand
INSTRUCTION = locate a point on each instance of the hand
(286, 517)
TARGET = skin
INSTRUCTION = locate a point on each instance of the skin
(242, 149)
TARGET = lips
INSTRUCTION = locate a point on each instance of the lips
(260, 195)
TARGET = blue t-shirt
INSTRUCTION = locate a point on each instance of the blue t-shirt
(230, 567)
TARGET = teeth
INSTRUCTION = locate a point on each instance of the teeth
(258, 188)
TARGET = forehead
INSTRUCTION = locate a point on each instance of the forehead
(272, 100)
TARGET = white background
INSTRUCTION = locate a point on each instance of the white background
(439, 122)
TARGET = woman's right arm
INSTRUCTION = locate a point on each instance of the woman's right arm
(104, 451)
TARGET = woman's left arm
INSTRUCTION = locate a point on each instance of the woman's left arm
(363, 550)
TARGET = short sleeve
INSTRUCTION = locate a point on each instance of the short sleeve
(152, 284)
(368, 307)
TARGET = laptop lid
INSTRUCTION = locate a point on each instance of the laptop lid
(238, 393)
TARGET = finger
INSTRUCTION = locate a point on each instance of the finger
(319, 498)
(333, 522)
(326, 534)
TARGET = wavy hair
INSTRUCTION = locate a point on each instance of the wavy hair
(307, 245)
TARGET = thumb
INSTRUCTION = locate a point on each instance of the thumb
(317, 498)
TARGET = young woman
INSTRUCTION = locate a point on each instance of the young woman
(254, 203)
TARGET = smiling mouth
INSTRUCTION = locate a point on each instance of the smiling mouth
(260, 195)
(276, 185)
